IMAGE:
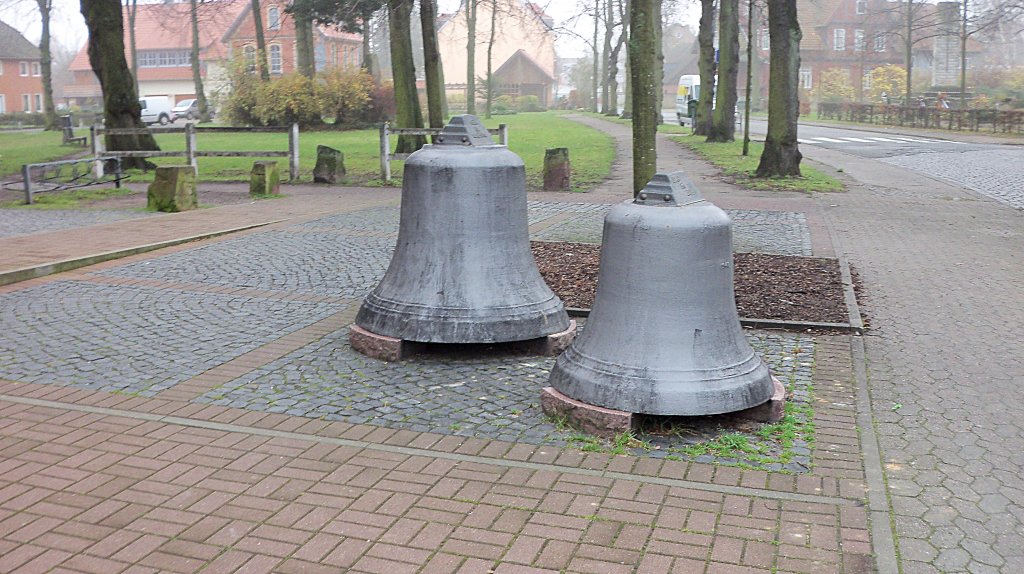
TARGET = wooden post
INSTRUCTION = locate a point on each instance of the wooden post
(293, 153)
(26, 174)
(503, 134)
(190, 146)
(96, 134)
(385, 149)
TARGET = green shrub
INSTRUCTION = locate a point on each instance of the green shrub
(22, 119)
(529, 104)
(292, 98)
(345, 94)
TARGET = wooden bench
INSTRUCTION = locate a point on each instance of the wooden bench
(68, 129)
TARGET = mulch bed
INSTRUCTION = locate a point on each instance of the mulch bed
(778, 287)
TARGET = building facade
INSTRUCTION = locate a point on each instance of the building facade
(21, 82)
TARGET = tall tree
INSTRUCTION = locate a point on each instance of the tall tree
(613, 61)
(627, 103)
(643, 58)
(303, 12)
(750, 77)
(597, 57)
(197, 77)
(781, 155)
(490, 60)
(46, 64)
(121, 107)
(707, 68)
(471, 56)
(261, 42)
(133, 10)
(723, 118)
(432, 64)
(403, 71)
(606, 57)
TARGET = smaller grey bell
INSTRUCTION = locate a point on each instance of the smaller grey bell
(664, 337)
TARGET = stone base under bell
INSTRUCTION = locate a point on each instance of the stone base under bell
(605, 422)
(391, 349)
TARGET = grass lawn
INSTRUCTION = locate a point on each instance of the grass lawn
(591, 151)
(729, 157)
(21, 147)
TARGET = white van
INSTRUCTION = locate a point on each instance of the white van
(155, 109)
(689, 89)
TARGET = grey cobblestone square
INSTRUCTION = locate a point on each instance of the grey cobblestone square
(135, 340)
(25, 221)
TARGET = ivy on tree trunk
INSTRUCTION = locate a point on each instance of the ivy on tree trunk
(407, 105)
(723, 118)
(781, 155)
(706, 67)
(643, 59)
(432, 64)
(121, 107)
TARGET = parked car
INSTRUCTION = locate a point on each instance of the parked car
(188, 109)
(155, 109)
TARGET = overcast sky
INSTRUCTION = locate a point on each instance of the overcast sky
(68, 28)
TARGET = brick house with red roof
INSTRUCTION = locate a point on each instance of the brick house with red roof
(226, 30)
(21, 82)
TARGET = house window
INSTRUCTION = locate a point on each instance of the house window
(3, 104)
(37, 69)
(274, 18)
(880, 43)
(249, 56)
(164, 58)
(866, 81)
(275, 59)
(766, 40)
(806, 78)
(862, 6)
(39, 102)
(839, 39)
(26, 103)
(858, 40)
(23, 68)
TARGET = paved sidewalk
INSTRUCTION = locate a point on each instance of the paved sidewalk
(179, 410)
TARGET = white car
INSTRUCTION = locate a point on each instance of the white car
(188, 109)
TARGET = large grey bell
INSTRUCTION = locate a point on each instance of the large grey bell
(663, 336)
(462, 271)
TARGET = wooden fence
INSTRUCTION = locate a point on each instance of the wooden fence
(996, 121)
(386, 131)
(192, 151)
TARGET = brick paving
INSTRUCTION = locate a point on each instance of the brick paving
(97, 476)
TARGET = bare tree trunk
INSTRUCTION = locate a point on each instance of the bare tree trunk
(908, 48)
(706, 67)
(403, 71)
(432, 64)
(781, 155)
(471, 56)
(132, 11)
(750, 77)
(304, 41)
(613, 68)
(367, 56)
(596, 75)
(606, 58)
(659, 66)
(490, 59)
(963, 59)
(46, 65)
(121, 107)
(197, 77)
(723, 119)
(627, 103)
(261, 42)
(643, 59)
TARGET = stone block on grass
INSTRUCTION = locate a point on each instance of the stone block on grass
(265, 178)
(557, 170)
(173, 189)
(330, 165)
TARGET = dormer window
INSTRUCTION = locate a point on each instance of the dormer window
(274, 18)
(862, 6)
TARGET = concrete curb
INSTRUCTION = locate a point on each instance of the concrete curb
(26, 273)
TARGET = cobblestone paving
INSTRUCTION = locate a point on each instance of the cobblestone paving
(25, 221)
(777, 232)
(945, 361)
(131, 339)
(995, 173)
(478, 393)
(321, 263)
(378, 219)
